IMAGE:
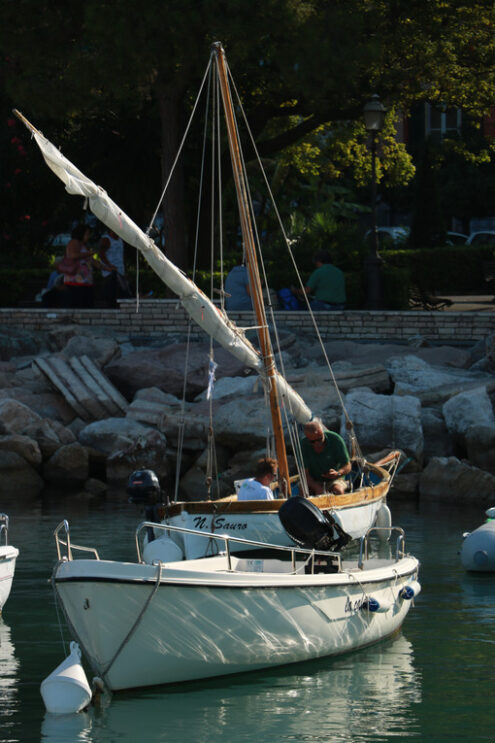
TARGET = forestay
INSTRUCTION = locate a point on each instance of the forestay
(196, 303)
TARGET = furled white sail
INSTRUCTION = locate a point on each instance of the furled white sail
(199, 307)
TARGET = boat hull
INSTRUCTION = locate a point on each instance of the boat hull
(8, 556)
(142, 625)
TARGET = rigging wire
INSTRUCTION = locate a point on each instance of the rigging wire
(349, 424)
(179, 152)
(181, 428)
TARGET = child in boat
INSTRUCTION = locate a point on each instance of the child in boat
(258, 487)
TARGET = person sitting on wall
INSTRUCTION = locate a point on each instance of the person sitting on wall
(325, 458)
(326, 285)
(258, 487)
(237, 289)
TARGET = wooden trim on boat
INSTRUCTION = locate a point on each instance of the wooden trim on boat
(328, 501)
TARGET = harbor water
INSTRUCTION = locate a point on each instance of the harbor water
(435, 681)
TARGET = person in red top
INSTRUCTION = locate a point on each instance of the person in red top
(79, 282)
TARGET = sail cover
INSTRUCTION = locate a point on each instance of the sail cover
(197, 305)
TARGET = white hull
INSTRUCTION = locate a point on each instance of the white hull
(262, 527)
(142, 625)
(8, 556)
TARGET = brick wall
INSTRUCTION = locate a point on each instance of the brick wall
(166, 315)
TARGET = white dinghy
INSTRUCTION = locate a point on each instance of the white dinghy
(142, 624)
(8, 557)
(353, 512)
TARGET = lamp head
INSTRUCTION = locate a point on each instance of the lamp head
(374, 114)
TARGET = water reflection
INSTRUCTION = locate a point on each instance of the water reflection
(9, 676)
(364, 696)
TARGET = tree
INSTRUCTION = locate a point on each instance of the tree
(298, 64)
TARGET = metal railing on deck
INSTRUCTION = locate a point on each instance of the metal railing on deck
(400, 546)
(4, 528)
(68, 544)
(227, 540)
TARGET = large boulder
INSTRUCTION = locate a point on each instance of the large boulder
(448, 479)
(112, 434)
(45, 404)
(193, 486)
(99, 350)
(242, 423)
(165, 368)
(468, 409)
(68, 466)
(412, 374)
(18, 342)
(385, 421)
(19, 478)
(228, 387)
(25, 446)
(480, 446)
(438, 442)
(17, 417)
(378, 353)
(44, 433)
(148, 451)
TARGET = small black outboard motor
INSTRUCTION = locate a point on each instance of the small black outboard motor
(309, 527)
(143, 487)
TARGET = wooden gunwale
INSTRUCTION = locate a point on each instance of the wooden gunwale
(335, 502)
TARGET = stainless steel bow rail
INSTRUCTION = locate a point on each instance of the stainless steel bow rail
(400, 545)
(67, 543)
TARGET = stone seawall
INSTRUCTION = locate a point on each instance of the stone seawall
(155, 317)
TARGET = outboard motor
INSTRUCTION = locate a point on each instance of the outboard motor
(309, 527)
(143, 488)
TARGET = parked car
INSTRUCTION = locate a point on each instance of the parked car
(389, 236)
(483, 237)
(456, 238)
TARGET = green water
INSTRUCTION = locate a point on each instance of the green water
(433, 682)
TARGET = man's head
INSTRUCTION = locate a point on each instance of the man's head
(321, 257)
(266, 468)
(314, 432)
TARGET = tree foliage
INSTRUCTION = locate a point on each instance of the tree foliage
(129, 73)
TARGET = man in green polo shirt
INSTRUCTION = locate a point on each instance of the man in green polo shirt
(325, 458)
(326, 285)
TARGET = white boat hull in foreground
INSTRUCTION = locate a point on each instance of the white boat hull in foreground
(8, 557)
(141, 624)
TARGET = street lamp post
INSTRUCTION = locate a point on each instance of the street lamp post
(374, 117)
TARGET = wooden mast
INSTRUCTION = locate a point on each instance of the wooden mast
(252, 265)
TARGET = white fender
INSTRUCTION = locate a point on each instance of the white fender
(162, 549)
(384, 521)
(66, 689)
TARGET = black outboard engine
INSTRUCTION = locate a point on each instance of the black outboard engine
(143, 487)
(309, 527)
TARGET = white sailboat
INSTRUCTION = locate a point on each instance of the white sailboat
(8, 557)
(355, 511)
(142, 624)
